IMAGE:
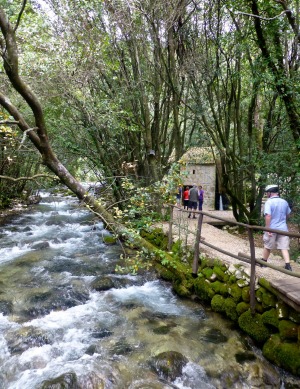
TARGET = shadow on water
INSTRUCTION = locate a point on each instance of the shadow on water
(68, 321)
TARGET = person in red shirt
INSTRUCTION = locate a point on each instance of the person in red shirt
(186, 197)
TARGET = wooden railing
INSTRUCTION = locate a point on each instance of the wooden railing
(242, 257)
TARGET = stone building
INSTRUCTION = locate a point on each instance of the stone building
(198, 166)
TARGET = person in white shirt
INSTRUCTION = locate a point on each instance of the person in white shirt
(276, 212)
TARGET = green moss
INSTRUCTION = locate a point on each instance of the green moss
(242, 307)
(156, 236)
(164, 273)
(259, 308)
(235, 292)
(230, 309)
(282, 310)
(253, 326)
(259, 294)
(294, 316)
(206, 262)
(270, 318)
(268, 299)
(109, 239)
(246, 294)
(182, 288)
(285, 355)
(221, 276)
(288, 330)
(203, 289)
(207, 272)
(218, 303)
(220, 288)
(232, 279)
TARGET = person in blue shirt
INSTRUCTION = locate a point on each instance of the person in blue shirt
(276, 212)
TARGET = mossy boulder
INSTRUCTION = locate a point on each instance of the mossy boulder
(259, 293)
(268, 300)
(230, 309)
(283, 310)
(253, 326)
(283, 354)
(168, 365)
(102, 284)
(220, 273)
(235, 292)
(207, 272)
(109, 239)
(270, 318)
(182, 288)
(246, 294)
(294, 316)
(288, 330)
(232, 279)
(218, 303)
(67, 380)
(203, 289)
(220, 288)
(242, 307)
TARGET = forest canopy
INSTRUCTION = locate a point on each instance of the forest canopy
(113, 83)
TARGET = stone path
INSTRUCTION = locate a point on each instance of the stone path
(233, 243)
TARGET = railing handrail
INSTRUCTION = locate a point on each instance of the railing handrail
(247, 226)
(252, 260)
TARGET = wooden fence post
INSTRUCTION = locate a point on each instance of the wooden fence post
(252, 267)
(197, 246)
(170, 237)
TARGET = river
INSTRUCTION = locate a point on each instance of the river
(57, 331)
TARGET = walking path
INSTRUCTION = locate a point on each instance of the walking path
(288, 286)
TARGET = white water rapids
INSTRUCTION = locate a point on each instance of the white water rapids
(52, 322)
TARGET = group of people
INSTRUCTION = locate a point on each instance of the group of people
(192, 198)
(276, 212)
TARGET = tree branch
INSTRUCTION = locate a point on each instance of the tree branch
(28, 178)
(260, 17)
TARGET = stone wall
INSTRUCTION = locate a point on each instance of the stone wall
(205, 175)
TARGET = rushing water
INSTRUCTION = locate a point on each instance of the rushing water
(53, 323)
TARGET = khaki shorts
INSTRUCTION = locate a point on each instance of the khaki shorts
(276, 241)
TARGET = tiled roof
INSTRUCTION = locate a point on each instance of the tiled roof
(198, 155)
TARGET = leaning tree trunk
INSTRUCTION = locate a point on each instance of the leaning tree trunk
(39, 137)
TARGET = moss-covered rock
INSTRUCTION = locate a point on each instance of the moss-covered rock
(168, 365)
(109, 239)
(270, 318)
(235, 292)
(253, 326)
(182, 288)
(259, 308)
(218, 303)
(67, 380)
(220, 288)
(288, 330)
(242, 307)
(283, 310)
(294, 316)
(230, 309)
(232, 279)
(203, 289)
(259, 294)
(207, 272)
(268, 300)
(283, 354)
(246, 294)
(220, 273)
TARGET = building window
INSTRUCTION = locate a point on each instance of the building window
(194, 171)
